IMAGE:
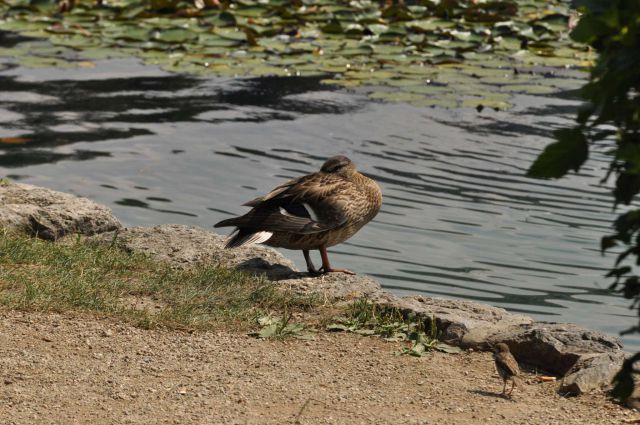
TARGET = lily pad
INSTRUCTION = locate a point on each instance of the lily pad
(231, 34)
(127, 33)
(430, 25)
(491, 102)
(433, 53)
(174, 35)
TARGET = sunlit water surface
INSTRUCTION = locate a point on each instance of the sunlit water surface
(459, 220)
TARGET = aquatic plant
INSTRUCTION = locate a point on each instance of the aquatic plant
(447, 53)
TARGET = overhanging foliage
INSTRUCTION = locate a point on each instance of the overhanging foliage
(612, 113)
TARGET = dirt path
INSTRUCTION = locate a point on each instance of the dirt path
(66, 369)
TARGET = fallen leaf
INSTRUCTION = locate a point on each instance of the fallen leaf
(13, 140)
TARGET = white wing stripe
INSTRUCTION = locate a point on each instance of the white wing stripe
(285, 212)
(311, 212)
(258, 237)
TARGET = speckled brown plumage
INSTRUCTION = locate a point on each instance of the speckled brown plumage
(507, 366)
(315, 211)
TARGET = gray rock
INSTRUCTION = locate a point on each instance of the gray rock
(463, 323)
(183, 246)
(587, 358)
(458, 321)
(335, 287)
(592, 372)
(554, 347)
(48, 214)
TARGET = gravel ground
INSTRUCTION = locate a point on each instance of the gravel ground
(70, 369)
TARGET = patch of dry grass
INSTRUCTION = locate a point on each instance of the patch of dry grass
(38, 275)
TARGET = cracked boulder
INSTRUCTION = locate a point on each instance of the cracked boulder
(184, 246)
(48, 214)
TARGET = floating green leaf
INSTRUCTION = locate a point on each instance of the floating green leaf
(174, 35)
(460, 53)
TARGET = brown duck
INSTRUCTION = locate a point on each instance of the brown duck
(315, 211)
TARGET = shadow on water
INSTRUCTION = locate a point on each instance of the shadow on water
(496, 125)
(10, 39)
(136, 203)
(65, 112)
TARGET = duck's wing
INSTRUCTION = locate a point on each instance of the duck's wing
(278, 191)
(282, 220)
(309, 204)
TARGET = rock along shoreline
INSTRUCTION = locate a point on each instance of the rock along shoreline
(586, 359)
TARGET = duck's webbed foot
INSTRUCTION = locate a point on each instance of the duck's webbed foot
(326, 267)
(332, 270)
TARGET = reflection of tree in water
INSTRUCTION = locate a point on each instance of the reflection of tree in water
(26, 157)
(497, 126)
(100, 110)
(10, 39)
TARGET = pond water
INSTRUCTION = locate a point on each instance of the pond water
(459, 220)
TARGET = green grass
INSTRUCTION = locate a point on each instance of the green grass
(37, 275)
(368, 318)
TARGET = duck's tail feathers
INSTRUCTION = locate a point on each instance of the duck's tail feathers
(227, 223)
(242, 238)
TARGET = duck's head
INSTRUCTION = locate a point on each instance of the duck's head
(340, 165)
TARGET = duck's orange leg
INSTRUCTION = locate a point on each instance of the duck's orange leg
(326, 267)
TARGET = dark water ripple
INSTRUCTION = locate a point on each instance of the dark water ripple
(459, 219)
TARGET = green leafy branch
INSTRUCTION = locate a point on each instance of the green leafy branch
(610, 117)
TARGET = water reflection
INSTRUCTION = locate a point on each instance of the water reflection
(23, 158)
(11, 39)
(62, 111)
(129, 202)
(459, 218)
